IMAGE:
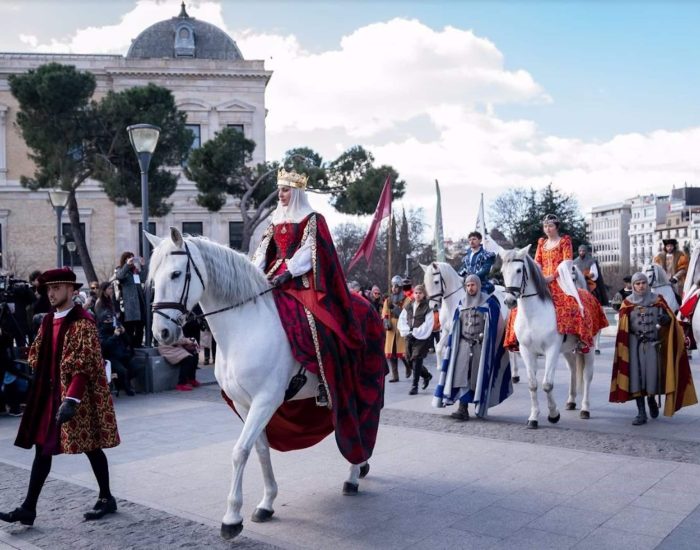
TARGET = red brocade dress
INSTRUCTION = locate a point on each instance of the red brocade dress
(569, 319)
(332, 335)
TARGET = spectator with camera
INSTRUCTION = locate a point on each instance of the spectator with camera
(131, 275)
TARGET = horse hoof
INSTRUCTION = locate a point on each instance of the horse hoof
(585, 415)
(554, 419)
(350, 489)
(532, 424)
(232, 530)
(261, 515)
(516, 379)
(571, 406)
(364, 470)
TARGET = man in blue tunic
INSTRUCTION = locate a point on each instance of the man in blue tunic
(478, 261)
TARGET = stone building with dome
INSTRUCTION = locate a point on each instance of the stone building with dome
(211, 82)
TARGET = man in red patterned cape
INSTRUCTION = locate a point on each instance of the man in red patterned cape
(69, 408)
(331, 334)
(650, 357)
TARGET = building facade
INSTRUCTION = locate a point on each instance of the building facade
(608, 230)
(211, 82)
(647, 212)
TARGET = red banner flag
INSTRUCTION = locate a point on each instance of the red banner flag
(383, 211)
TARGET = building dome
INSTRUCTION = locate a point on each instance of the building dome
(184, 36)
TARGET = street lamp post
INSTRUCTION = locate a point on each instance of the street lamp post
(71, 246)
(59, 200)
(144, 138)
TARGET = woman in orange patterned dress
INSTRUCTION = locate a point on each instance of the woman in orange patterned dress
(551, 251)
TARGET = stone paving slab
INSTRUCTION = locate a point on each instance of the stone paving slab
(60, 525)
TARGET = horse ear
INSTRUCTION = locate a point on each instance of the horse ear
(423, 267)
(524, 251)
(153, 239)
(176, 236)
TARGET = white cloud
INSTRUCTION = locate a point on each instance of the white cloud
(383, 73)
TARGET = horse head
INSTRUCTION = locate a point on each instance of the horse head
(515, 273)
(440, 281)
(178, 277)
(657, 276)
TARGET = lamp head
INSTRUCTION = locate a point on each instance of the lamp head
(58, 197)
(143, 137)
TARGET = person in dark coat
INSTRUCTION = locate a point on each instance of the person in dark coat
(131, 276)
(69, 408)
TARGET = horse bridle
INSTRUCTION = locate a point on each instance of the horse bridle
(518, 291)
(181, 305)
(441, 295)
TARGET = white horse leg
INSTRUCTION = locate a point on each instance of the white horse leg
(357, 472)
(550, 365)
(571, 362)
(586, 368)
(255, 421)
(265, 510)
(530, 360)
(597, 342)
(514, 367)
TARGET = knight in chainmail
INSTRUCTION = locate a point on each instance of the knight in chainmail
(394, 343)
(476, 368)
(650, 357)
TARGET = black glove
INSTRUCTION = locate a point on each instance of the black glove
(673, 280)
(281, 279)
(66, 411)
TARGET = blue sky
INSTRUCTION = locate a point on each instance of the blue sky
(598, 97)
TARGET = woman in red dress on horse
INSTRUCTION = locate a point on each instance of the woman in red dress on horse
(551, 251)
(331, 334)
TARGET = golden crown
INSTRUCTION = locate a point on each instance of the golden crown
(292, 179)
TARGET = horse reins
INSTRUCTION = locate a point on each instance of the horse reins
(441, 295)
(181, 305)
(518, 292)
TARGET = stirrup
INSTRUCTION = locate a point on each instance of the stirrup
(322, 396)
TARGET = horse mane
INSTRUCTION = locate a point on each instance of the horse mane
(230, 272)
(541, 288)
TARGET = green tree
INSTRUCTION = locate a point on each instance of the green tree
(519, 215)
(118, 169)
(222, 168)
(55, 121)
(72, 138)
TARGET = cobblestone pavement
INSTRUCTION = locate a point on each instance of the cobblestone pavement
(60, 525)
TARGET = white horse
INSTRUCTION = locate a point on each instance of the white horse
(254, 364)
(659, 283)
(445, 287)
(536, 330)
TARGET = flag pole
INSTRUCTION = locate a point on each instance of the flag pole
(390, 248)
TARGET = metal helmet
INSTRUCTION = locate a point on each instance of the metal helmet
(396, 280)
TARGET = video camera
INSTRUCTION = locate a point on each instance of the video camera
(9, 286)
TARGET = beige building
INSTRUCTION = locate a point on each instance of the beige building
(211, 82)
(609, 227)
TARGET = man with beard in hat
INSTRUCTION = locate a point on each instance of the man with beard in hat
(476, 368)
(675, 263)
(650, 357)
(394, 343)
(69, 408)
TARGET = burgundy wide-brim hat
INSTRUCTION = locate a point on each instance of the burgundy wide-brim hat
(59, 276)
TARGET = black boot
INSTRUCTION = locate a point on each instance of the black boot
(641, 417)
(427, 377)
(24, 516)
(653, 406)
(462, 413)
(416, 378)
(102, 507)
